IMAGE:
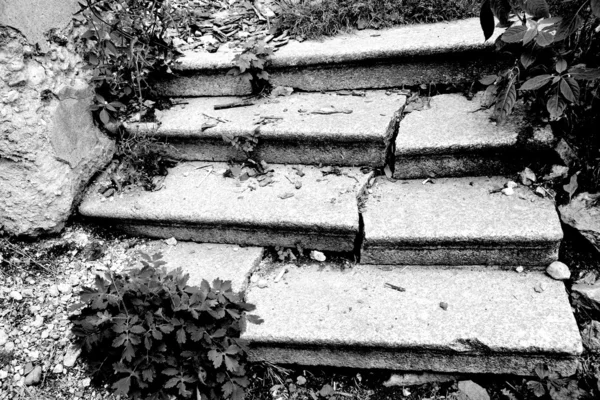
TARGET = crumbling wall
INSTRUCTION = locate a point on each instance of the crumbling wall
(49, 146)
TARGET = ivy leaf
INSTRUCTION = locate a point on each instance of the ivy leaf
(514, 34)
(574, 87)
(530, 34)
(231, 364)
(566, 91)
(148, 374)
(122, 386)
(542, 371)
(216, 357)
(536, 82)
(586, 74)
(544, 38)
(129, 352)
(488, 79)
(181, 336)
(537, 388)
(537, 8)
(527, 59)
(486, 19)
(104, 116)
(555, 106)
(505, 101)
(170, 372)
(227, 389)
(171, 382)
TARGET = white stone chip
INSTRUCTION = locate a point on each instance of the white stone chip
(558, 271)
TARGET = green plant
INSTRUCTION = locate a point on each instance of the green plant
(551, 54)
(153, 336)
(250, 64)
(555, 72)
(125, 42)
(553, 385)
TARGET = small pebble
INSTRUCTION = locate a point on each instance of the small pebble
(15, 295)
(53, 291)
(262, 283)
(444, 305)
(558, 271)
(65, 288)
(519, 269)
(317, 256)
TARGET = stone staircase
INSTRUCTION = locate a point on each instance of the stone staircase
(436, 287)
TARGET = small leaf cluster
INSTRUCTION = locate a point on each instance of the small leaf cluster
(553, 385)
(125, 42)
(152, 336)
(251, 63)
(551, 54)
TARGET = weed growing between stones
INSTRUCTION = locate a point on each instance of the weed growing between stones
(151, 336)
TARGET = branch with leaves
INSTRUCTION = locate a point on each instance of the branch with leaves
(550, 55)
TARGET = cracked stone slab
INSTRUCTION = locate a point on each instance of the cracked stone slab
(207, 261)
(197, 203)
(454, 136)
(290, 128)
(495, 322)
(458, 221)
(408, 55)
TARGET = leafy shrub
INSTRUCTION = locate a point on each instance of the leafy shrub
(127, 41)
(555, 70)
(153, 336)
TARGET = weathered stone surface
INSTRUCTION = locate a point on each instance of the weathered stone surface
(208, 261)
(408, 55)
(348, 318)
(453, 136)
(33, 18)
(295, 134)
(198, 203)
(583, 215)
(49, 146)
(457, 221)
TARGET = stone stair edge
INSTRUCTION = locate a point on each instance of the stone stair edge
(427, 40)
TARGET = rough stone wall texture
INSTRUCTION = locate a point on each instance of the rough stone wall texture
(49, 146)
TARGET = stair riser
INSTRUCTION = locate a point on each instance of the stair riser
(451, 68)
(402, 360)
(333, 153)
(468, 164)
(538, 257)
(329, 241)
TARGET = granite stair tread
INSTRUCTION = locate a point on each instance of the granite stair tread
(493, 321)
(302, 128)
(406, 55)
(451, 135)
(458, 221)
(197, 202)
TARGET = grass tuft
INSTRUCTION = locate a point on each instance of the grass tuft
(312, 19)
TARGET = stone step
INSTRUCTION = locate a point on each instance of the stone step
(454, 136)
(458, 221)
(208, 261)
(446, 52)
(317, 210)
(495, 321)
(290, 129)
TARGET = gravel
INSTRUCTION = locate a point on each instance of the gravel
(38, 283)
